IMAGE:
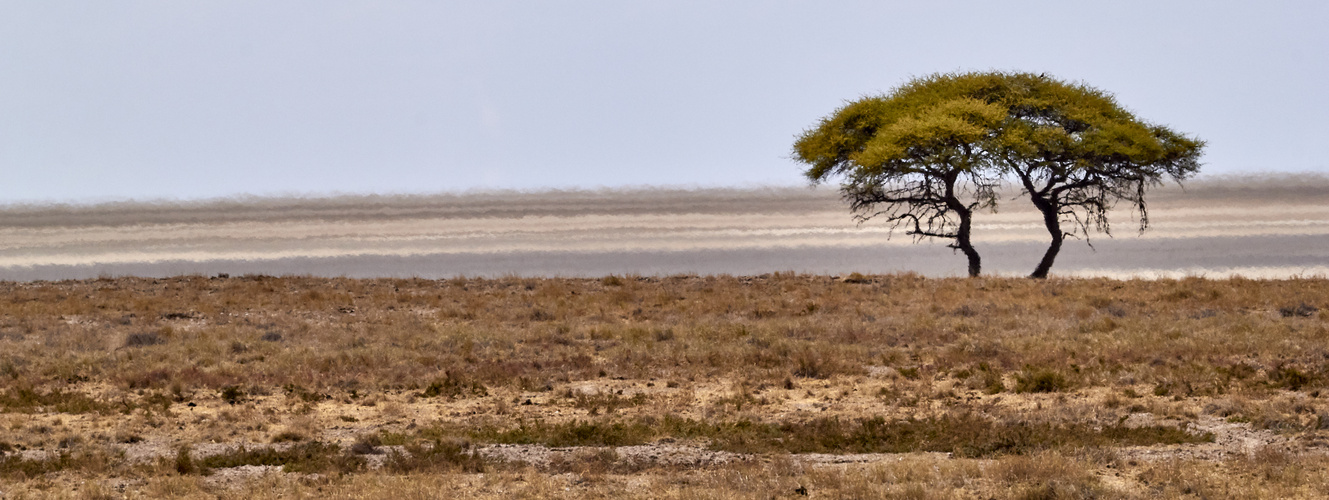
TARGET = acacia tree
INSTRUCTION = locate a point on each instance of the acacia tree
(929, 153)
(917, 156)
(1076, 153)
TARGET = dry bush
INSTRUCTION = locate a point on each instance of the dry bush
(23, 399)
(309, 457)
(1270, 473)
(1041, 380)
(80, 459)
(436, 456)
(962, 434)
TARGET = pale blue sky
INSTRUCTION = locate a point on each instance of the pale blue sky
(165, 99)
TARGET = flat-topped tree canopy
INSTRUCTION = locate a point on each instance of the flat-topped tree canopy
(1077, 153)
(929, 153)
(916, 156)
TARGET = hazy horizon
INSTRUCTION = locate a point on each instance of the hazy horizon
(1263, 227)
(1233, 179)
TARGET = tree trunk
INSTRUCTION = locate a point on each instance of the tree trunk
(962, 242)
(1053, 223)
(962, 233)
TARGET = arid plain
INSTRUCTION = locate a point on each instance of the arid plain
(660, 344)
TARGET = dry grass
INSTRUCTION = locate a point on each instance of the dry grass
(965, 435)
(1048, 475)
(1033, 379)
(189, 334)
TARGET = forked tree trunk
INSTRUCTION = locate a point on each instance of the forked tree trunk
(1053, 223)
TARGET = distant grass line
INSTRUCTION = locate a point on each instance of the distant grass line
(310, 457)
(1191, 337)
(29, 400)
(965, 435)
(91, 460)
(450, 448)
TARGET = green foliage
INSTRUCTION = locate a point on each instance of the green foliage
(913, 156)
(1077, 153)
(930, 152)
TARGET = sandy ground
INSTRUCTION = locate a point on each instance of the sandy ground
(400, 413)
(1253, 227)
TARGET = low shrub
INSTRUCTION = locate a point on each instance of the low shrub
(608, 401)
(1303, 310)
(14, 466)
(310, 457)
(454, 387)
(233, 394)
(436, 456)
(28, 400)
(1290, 378)
(1041, 380)
(288, 437)
(143, 339)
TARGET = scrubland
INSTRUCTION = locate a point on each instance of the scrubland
(778, 385)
